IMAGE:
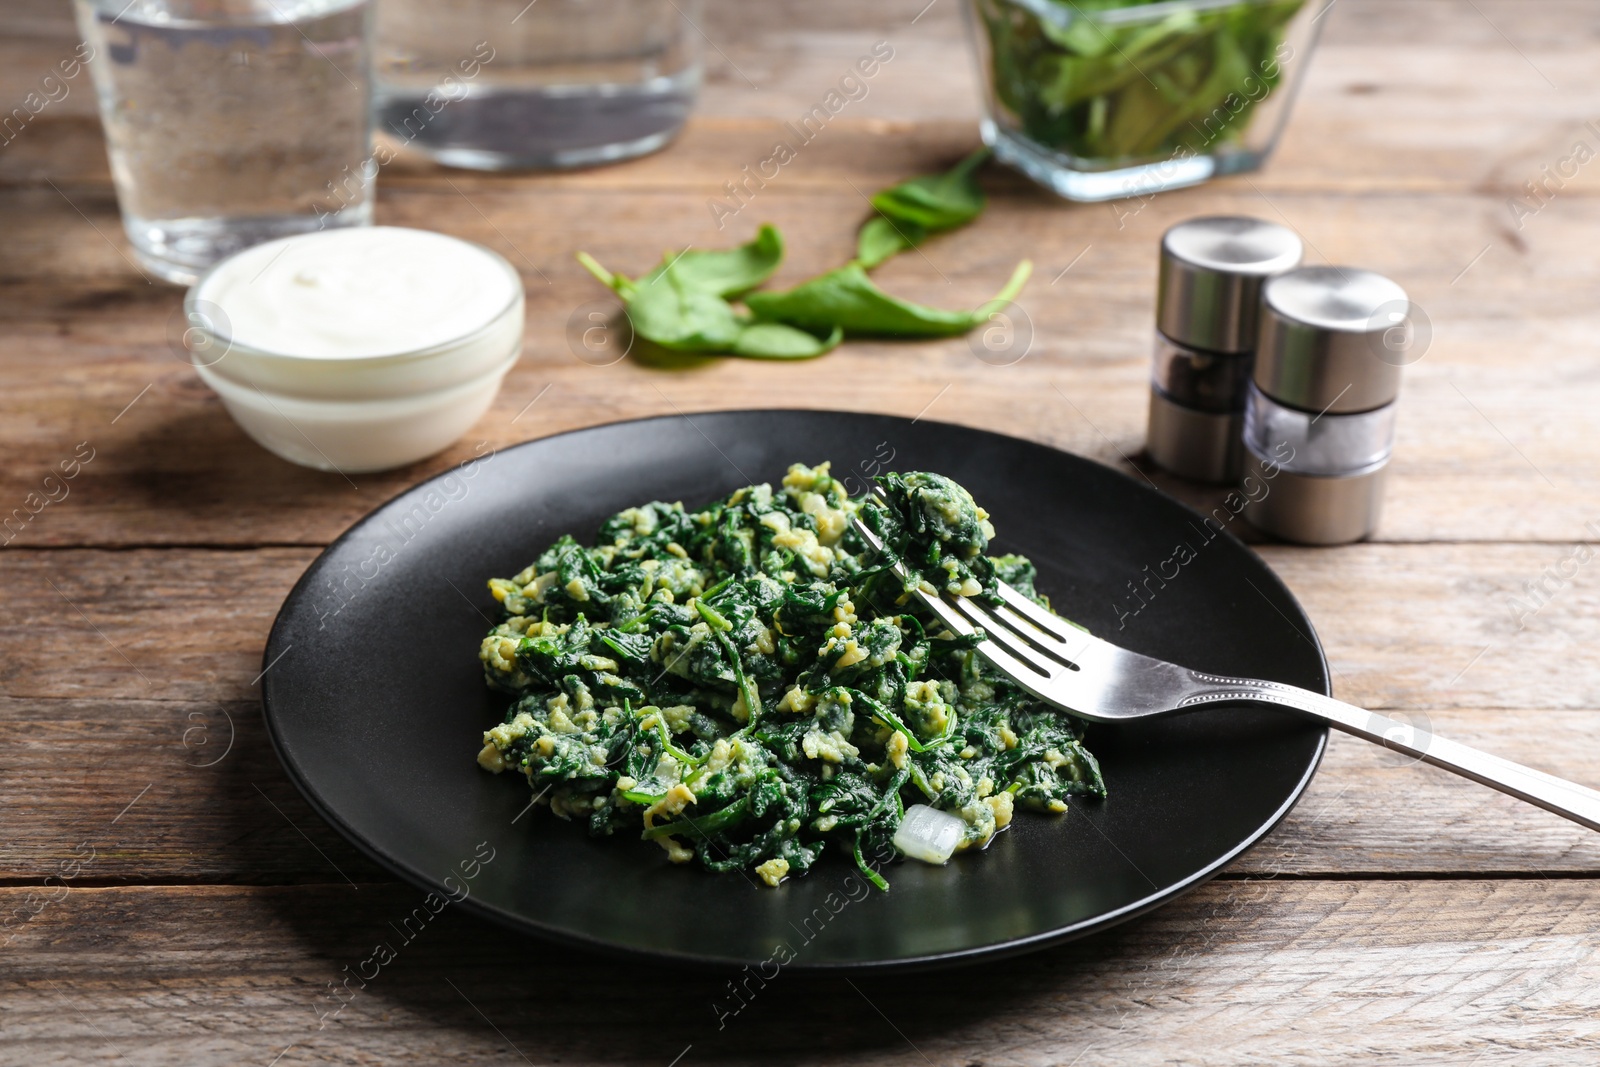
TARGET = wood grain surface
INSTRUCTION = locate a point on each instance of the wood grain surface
(1252, 972)
(167, 897)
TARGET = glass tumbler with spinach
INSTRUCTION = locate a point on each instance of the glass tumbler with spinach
(1100, 99)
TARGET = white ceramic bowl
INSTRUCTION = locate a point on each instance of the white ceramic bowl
(365, 413)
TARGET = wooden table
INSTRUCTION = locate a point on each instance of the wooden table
(159, 912)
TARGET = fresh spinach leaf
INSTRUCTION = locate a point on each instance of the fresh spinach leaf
(882, 238)
(774, 340)
(848, 299)
(670, 312)
(725, 273)
(680, 306)
(730, 272)
(907, 213)
(679, 315)
(1186, 79)
(617, 283)
(683, 305)
(937, 201)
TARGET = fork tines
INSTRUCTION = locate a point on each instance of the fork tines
(1024, 640)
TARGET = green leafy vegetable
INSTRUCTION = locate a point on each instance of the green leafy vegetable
(848, 299)
(1080, 77)
(882, 238)
(774, 340)
(681, 305)
(937, 201)
(745, 686)
(679, 316)
(684, 305)
(911, 211)
(727, 273)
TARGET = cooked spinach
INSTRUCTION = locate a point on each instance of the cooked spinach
(745, 683)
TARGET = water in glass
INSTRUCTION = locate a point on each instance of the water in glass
(232, 122)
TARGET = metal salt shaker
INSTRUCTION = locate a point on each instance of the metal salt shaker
(1211, 274)
(1320, 410)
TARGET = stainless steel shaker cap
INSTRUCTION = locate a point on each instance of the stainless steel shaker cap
(1332, 339)
(1210, 279)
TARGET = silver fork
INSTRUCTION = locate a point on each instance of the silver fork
(1101, 682)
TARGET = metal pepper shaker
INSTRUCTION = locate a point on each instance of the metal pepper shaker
(1320, 410)
(1209, 288)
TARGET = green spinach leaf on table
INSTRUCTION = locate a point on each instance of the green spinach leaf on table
(774, 340)
(728, 273)
(685, 305)
(937, 201)
(846, 298)
(681, 305)
(912, 210)
(882, 238)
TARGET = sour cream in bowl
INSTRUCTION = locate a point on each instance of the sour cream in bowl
(356, 349)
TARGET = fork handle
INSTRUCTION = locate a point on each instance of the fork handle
(1567, 799)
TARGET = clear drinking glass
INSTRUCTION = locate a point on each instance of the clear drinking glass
(232, 122)
(1101, 99)
(503, 84)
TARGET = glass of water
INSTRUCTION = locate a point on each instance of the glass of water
(232, 122)
(505, 84)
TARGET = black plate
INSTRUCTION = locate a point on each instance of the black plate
(375, 700)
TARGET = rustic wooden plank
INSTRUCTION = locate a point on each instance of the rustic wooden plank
(1242, 972)
(1452, 626)
(166, 791)
(134, 622)
(190, 791)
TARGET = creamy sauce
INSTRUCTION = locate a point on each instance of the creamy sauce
(357, 293)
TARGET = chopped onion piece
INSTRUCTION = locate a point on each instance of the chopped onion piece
(928, 834)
